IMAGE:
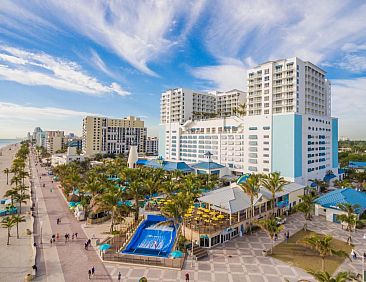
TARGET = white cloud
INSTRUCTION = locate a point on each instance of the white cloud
(353, 62)
(41, 69)
(137, 31)
(16, 111)
(348, 104)
(16, 119)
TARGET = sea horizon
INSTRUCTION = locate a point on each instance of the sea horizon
(5, 142)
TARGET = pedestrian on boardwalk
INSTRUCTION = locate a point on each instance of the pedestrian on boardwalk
(54, 238)
(34, 267)
(89, 242)
(51, 242)
(58, 221)
(93, 271)
(76, 235)
(86, 246)
(72, 236)
(187, 276)
(65, 238)
(89, 273)
(119, 276)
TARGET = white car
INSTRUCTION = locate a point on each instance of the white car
(280, 220)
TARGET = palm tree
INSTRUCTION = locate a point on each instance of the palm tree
(271, 227)
(17, 219)
(348, 217)
(136, 191)
(191, 184)
(273, 182)
(7, 171)
(8, 223)
(306, 206)
(322, 245)
(251, 188)
(11, 193)
(241, 110)
(343, 183)
(110, 201)
(324, 276)
(21, 199)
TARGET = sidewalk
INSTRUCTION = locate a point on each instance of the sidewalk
(73, 260)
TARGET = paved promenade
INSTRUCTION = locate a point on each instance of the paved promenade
(62, 261)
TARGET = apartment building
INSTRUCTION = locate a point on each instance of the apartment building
(102, 135)
(152, 146)
(296, 136)
(55, 140)
(180, 105)
(288, 86)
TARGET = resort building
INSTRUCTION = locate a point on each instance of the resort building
(102, 135)
(286, 125)
(70, 156)
(327, 205)
(225, 213)
(55, 140)
(152, 146)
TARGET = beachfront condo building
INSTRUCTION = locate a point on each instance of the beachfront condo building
(54, 141)
(285, 125)
(152, 146)
(102, 135)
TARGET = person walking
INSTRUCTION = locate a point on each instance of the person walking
(53, 238)
(34, 267)
(93, 271)
(119, 276)
(72, 236)
(89, 273)
(187, 276)
(76, 235)
(51, 242)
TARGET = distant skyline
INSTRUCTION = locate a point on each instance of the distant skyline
(62, 60)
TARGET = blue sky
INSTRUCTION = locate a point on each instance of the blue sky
(61, 60)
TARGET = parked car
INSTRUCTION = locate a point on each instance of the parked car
(280, 220)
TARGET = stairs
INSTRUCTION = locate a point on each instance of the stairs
(199, 252)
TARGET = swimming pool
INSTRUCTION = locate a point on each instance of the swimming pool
(151, 238)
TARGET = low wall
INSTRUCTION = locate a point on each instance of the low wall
(98, 220)
(144, 260)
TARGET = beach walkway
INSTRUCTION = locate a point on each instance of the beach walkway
(62, 261)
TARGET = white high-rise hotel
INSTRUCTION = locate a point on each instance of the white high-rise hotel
(285, 125)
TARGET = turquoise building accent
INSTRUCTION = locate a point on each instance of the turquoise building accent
(287, 144)
(334, 143)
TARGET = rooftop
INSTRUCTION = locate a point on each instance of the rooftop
(207, 165)
(346, 195)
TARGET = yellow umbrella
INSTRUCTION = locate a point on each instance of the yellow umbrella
(206, 220)
(187, 215)
(196, 218)
(220, 216)
(199, 212)
(215, 218)
(205, 215)
(206, 210)
(213, 212)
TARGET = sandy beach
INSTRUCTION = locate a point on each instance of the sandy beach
(15, 259)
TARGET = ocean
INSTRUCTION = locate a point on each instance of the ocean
(4, 142)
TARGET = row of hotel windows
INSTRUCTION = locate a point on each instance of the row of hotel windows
(319, 120)
(316, 168)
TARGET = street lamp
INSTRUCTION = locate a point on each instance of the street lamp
(208, 155)
(41, 222)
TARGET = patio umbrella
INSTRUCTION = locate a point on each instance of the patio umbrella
(104, 247)
(176, 254)
(220, 216)
(206, 210)
(199, 212)
(205, 215)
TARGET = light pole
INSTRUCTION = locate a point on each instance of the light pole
(208, 155)
(41, 222)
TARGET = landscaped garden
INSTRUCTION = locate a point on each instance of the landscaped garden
(298, 252)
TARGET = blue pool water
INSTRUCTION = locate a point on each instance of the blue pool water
(151, 239)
